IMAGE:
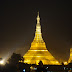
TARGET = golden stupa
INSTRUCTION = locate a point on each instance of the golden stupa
(70, 58)
(38, 50)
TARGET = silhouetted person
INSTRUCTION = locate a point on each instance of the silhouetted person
(41, 68)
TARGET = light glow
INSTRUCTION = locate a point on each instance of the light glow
(23, 70)
(65, 63)
(2, 62)
(57, 62)
(70, 58)
(38, 50)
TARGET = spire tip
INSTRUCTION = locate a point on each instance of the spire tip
(38, 18)
(38, 13)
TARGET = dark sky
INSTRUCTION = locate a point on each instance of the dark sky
(18, 21)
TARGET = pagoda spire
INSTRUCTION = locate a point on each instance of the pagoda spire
(38, 50)
(38, 27)
(38, 34)
(38, 18)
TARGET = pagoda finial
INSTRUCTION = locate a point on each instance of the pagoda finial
(38, 13)
(38, 18)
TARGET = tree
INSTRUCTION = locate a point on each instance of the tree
(14, 58)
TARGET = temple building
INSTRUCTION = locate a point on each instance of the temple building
(70, 58)
(38, 51)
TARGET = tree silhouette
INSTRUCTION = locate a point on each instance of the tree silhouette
(14, 58)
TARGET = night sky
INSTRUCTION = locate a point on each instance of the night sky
(18, 21)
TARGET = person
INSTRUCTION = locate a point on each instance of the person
(41, 68)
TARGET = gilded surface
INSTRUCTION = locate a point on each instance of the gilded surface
(38, 50)
(70, 59)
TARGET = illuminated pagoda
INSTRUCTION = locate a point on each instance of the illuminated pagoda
(70, 58)
(38, 51)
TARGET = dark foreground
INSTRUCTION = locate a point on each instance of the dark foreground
(21, 67)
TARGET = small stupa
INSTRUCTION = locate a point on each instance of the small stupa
(70, 58)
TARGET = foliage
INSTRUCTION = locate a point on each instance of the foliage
(14, 58)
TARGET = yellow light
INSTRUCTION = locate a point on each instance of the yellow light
(65, 63)
(27, 61)
(57, 62)
(70, 58)
(35, 56)
(1, 62)
(38, 56)
(38, 50)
